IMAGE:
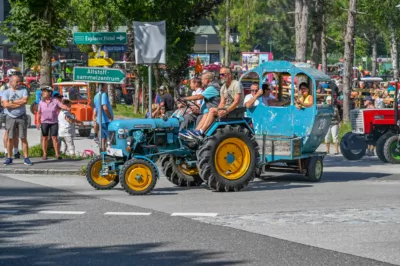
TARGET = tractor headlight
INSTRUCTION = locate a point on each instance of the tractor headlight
(398, 123)
(129, 141)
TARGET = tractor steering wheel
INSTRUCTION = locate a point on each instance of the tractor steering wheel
(189, 102)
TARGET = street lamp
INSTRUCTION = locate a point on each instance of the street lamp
(270, 42)
(206, 36)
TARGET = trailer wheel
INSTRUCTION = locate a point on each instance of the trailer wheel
(391, 151)
(227, 160)
(315, 169)
(351, 155)
(138, 177)
(95, 179)
(380, 145)
(179, 174)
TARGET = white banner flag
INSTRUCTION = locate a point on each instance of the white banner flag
(150, 42)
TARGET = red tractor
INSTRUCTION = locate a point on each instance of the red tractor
(378, 127)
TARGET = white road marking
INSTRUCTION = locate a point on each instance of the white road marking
(198, 214)
(62, 212)
(8, 211)
(128, 213)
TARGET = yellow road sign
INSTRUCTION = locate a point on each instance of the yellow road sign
(100, 62)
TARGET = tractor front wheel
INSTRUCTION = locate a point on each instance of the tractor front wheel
(351, 155)
(94, 177)
(227, 160)
(138, 177)
(380, 145)
(180, 175)
(392, 150)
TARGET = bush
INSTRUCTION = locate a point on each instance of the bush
(36, 151)
(346, 127)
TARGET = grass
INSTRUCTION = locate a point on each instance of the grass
(346, 127)
(36, 151)
(123, 110)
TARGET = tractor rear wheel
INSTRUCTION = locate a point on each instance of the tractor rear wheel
(180, 175)
(380, 145)
(227, 160)
(95, 179)
(138, 177)
(391, 150)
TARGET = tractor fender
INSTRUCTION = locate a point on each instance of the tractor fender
(354, 141)
(219, 124)
(150, 161)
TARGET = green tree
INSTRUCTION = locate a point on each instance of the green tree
(36, 27)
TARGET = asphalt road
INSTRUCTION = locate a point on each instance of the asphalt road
(351, 218)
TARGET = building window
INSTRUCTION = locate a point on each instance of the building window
(7, 8)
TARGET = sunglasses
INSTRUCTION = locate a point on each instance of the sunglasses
(223, 74)
(253, 90)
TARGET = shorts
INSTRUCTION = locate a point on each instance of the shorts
(49, 128)
(104, 130)
(334, 131)
(19, 124)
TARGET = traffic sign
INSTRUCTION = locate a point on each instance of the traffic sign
(113, 48)
(100, 37)
(99, 74)
(100, 62)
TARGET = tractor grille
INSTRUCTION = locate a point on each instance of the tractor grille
(357, 121)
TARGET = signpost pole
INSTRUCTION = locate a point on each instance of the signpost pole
(100, 119)
(150, 90)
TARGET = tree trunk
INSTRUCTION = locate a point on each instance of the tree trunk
(393, 50)
(130, 57)
(227, 33)
(249, 36)
(324, 60)
(374, 56)
(45, 62)
(348, 59)
(301, 25)
(110, 87)
(317, 20)
(94, 28)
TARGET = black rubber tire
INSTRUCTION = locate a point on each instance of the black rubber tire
(206, 163)
(175, 175)
(380, 144)
(92, 182)
(118, 95)
(312, 174)
(388, 150)
(84, 132)
(125, 168)
(348, 154)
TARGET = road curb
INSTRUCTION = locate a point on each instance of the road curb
(33, 171)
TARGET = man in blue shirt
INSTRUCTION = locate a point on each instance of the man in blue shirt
(210, 96)
(105, 110)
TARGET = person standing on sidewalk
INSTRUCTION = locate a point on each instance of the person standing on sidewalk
(66, 132)
(47, 120)
(14, 103)
(105, 110)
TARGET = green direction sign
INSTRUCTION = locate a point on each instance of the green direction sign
(99, 74)
(100, 37)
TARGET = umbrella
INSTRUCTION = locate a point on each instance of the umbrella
(212, 67)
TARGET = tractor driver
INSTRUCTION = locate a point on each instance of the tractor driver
(210, 97)
(231, 98)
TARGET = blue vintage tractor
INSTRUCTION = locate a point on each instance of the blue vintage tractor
(234, 151)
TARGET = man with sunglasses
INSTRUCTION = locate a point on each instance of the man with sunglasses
(252, 99)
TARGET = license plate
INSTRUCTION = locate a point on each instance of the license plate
(114, 152)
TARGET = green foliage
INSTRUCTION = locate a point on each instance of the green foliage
(34, 25)
(345, 128)
(124, 111)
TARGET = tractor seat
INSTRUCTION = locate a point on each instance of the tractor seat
(238, 113)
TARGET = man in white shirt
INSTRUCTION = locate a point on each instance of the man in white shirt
(251, 99)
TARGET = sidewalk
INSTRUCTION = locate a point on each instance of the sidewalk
(48, 167)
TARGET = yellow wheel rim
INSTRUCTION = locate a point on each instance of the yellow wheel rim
(138, 177)
(188, 171)
(99, 179)
(232, 158)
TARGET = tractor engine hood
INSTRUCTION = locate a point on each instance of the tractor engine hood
(138, 124)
